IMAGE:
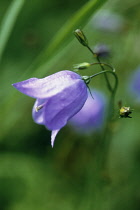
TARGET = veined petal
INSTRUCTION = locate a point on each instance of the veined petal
(38, 115)
(61, 107)
(53, 136)
(48, 86)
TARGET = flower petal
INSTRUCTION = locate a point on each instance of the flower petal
(53, 136)
(62, 106)
(38, 115)
(48, 86)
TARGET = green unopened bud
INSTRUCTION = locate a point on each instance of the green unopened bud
(86, 79)
(81, 37)
(84, 65)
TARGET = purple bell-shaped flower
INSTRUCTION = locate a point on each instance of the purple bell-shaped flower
(58, 98)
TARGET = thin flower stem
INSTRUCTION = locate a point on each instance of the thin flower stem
(111, 72)
(104, 64)
(113, 90)
(102, 67)
(91, 51)
(103, 144)
(106, 78)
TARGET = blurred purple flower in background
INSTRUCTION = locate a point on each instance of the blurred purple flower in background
(102, 50)
(134, 85)
(106, 20)
(93, 114)
(59, 97)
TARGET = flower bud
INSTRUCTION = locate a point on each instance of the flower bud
(81, 37)
(84, 65)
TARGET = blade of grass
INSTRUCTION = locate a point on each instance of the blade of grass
(8, 23)
(64, 34)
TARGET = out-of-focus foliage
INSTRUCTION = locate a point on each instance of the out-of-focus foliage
(99, 171)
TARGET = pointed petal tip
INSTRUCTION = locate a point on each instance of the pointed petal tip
(14, 85)
(53, 136)
(52, 144)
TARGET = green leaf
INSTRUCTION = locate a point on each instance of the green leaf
(8, 23)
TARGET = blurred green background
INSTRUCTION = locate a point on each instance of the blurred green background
(95, 172)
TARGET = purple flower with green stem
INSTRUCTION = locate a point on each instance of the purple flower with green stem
(58, 98)
(62, 95)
